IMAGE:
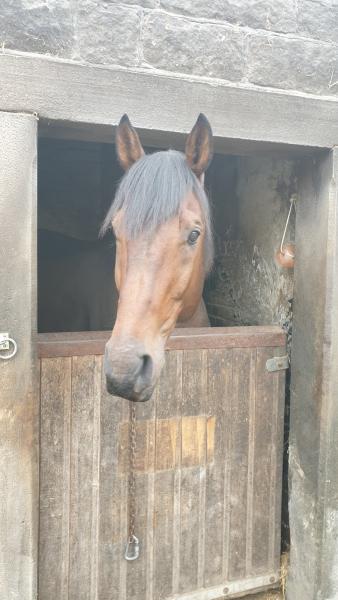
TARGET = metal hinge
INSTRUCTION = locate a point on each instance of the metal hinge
(277, 363)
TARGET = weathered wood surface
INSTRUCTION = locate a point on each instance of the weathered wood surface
(313, 448)
(84, 343)
(208, 478)
(19, 419)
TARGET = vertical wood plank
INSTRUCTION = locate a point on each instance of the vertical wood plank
(277, 468)
(194, 374)
(123, 512)
(83, 512)
(177, 479)
(113, 500)
(94, 567)
(55, 390)
(239, 462)
(263, 444)
(139, 572)
(167, 445)
(227, 481)
(218, 406)
(251, 464)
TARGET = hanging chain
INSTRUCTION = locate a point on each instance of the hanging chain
(132, 459)
(133, 546)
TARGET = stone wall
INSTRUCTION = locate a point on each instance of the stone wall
(286, 44)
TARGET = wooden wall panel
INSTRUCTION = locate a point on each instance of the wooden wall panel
(55, 441)
(217, 472)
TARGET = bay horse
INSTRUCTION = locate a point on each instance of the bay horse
(164, 250)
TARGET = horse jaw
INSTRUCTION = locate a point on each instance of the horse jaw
(199, 319)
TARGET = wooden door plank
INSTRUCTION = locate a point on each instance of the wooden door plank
(85, 343)
(251, 465)
(95, 531)
(217, 476)
(240, 403)
(55, 438)
(84, 464)
(264, 444)
(194, 375)
(276, 480)
(139, 572)
(167, 444)
(113, 499)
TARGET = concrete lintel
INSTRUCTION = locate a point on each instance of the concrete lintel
(83, 94)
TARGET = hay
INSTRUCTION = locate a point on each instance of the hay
(283, 573)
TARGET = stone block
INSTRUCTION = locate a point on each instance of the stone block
(37, 26)
(176, 44)
(318, 19)
(108, 33)
(273, 15)
(286, 63)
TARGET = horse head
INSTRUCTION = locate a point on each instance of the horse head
(160, 218)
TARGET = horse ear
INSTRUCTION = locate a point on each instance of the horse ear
(128, 145)
(199, 146)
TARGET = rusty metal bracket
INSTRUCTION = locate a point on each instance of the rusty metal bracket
(277, 363)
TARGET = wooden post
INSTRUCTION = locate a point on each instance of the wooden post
(314, 404)
(18, 376)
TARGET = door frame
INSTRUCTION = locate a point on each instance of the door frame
(87, 102)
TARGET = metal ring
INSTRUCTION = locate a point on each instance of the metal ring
(14, 351)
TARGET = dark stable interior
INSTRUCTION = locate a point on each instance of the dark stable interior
(249, 204)
(75, 267)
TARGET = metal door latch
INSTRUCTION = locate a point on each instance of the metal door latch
(277, 363)
(7, 344)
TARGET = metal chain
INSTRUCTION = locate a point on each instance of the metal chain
(132, 459)
(132, 547)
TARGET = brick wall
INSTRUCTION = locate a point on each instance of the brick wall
(286, 44)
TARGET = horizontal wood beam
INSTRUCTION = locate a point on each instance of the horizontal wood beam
(51, 345)
(73, 93)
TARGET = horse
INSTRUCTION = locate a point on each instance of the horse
(164, 250)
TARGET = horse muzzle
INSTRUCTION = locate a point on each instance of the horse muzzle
(129, 370)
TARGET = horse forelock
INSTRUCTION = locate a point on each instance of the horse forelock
(152, 192)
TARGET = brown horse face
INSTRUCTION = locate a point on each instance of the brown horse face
(160, 275)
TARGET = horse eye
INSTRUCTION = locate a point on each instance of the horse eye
(193, 236)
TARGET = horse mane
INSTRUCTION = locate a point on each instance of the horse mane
(152, 192)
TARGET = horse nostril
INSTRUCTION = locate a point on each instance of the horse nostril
(145, 373)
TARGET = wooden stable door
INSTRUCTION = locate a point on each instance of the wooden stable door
(208, 470)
